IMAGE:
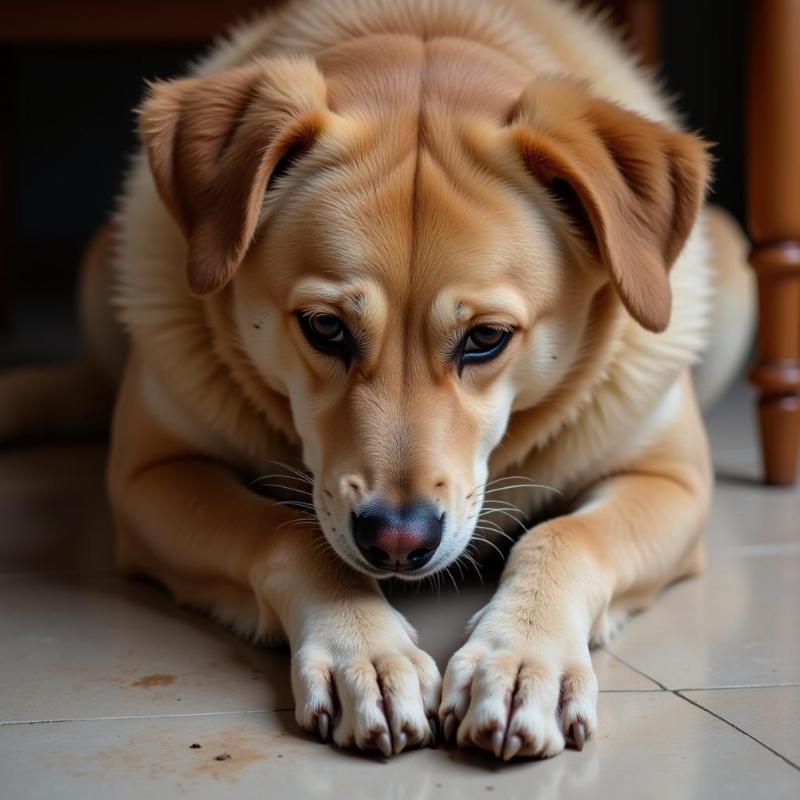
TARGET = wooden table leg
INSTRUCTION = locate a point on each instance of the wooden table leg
(773, 199)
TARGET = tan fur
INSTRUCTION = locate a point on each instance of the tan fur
(733, 316)
(453, 163)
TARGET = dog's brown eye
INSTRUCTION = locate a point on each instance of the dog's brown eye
(484, 338)
(327, 327)
(483, 343)
(327, 334)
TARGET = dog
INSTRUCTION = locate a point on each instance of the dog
(430, 256)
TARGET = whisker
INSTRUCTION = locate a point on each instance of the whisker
(504, 478)
(525, 486)
(507, 514)
(455, 585)
(528, 481)
(302, 523)
(474, 563)
(295, 504)
(282, 475)
(487, 522)
(514, 513)
(299, 473)
(496, 501)
(500, 532)
(491, 544)
(303, 492)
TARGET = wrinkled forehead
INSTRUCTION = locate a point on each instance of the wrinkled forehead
(413, 222)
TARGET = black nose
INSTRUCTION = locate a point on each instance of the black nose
(398, 539)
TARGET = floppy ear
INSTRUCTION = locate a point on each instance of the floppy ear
(632, 187)
(213, 143)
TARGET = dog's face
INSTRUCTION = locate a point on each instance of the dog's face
(408, 296)
(405, 316)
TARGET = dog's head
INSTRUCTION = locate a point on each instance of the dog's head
(410, 275)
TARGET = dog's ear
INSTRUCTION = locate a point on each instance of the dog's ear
(631, 187)
(214, 142)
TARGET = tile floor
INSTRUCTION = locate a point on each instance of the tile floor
(105, 684)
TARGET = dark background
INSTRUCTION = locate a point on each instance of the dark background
(74, 130)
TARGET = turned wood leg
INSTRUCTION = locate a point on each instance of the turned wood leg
(773, 199)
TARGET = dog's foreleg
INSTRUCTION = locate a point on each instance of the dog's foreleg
(187, 520)
(523, 683)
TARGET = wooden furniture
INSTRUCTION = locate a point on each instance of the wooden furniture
(773, 200)
(773, 156)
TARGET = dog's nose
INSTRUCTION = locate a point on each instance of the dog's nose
(398, 539)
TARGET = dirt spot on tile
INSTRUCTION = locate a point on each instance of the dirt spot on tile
(159, 679)
(235, 750)
(224, 755)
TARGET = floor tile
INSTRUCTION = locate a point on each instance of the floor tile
(81, 647)
(736, 625)
(750, 519)
(652, 745)
(769, 714)
(747, 517)
(105, 647)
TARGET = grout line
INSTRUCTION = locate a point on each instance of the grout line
(221, 713)
(737, 728)
(635, 669)
(737, 686)
(677, 693)
(145, 716)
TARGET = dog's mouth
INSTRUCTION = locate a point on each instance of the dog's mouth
(402, 573)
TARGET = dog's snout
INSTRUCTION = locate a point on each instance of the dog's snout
(398, 538)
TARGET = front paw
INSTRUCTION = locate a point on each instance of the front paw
(373, 692)
(519, 696)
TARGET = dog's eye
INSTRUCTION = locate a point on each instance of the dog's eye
(327, 333)
(483, 343)
(326, 327)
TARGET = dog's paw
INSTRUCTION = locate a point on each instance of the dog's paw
(519, 698)
(369, 694)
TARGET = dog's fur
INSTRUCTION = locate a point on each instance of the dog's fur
(415, 167)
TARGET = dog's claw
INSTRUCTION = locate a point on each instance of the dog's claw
(513, 746)
(401, 740)
(450, 727)
(497, 743)
(324, 725)
(384, 743)
(434, 730)
(578, 735)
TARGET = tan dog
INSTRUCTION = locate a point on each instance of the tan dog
(438, 254)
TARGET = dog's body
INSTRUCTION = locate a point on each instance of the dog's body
(403, 131)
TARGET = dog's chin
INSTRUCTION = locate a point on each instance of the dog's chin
(404, 575)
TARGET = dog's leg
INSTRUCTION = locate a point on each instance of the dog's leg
(186, 520)
(523, 683)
